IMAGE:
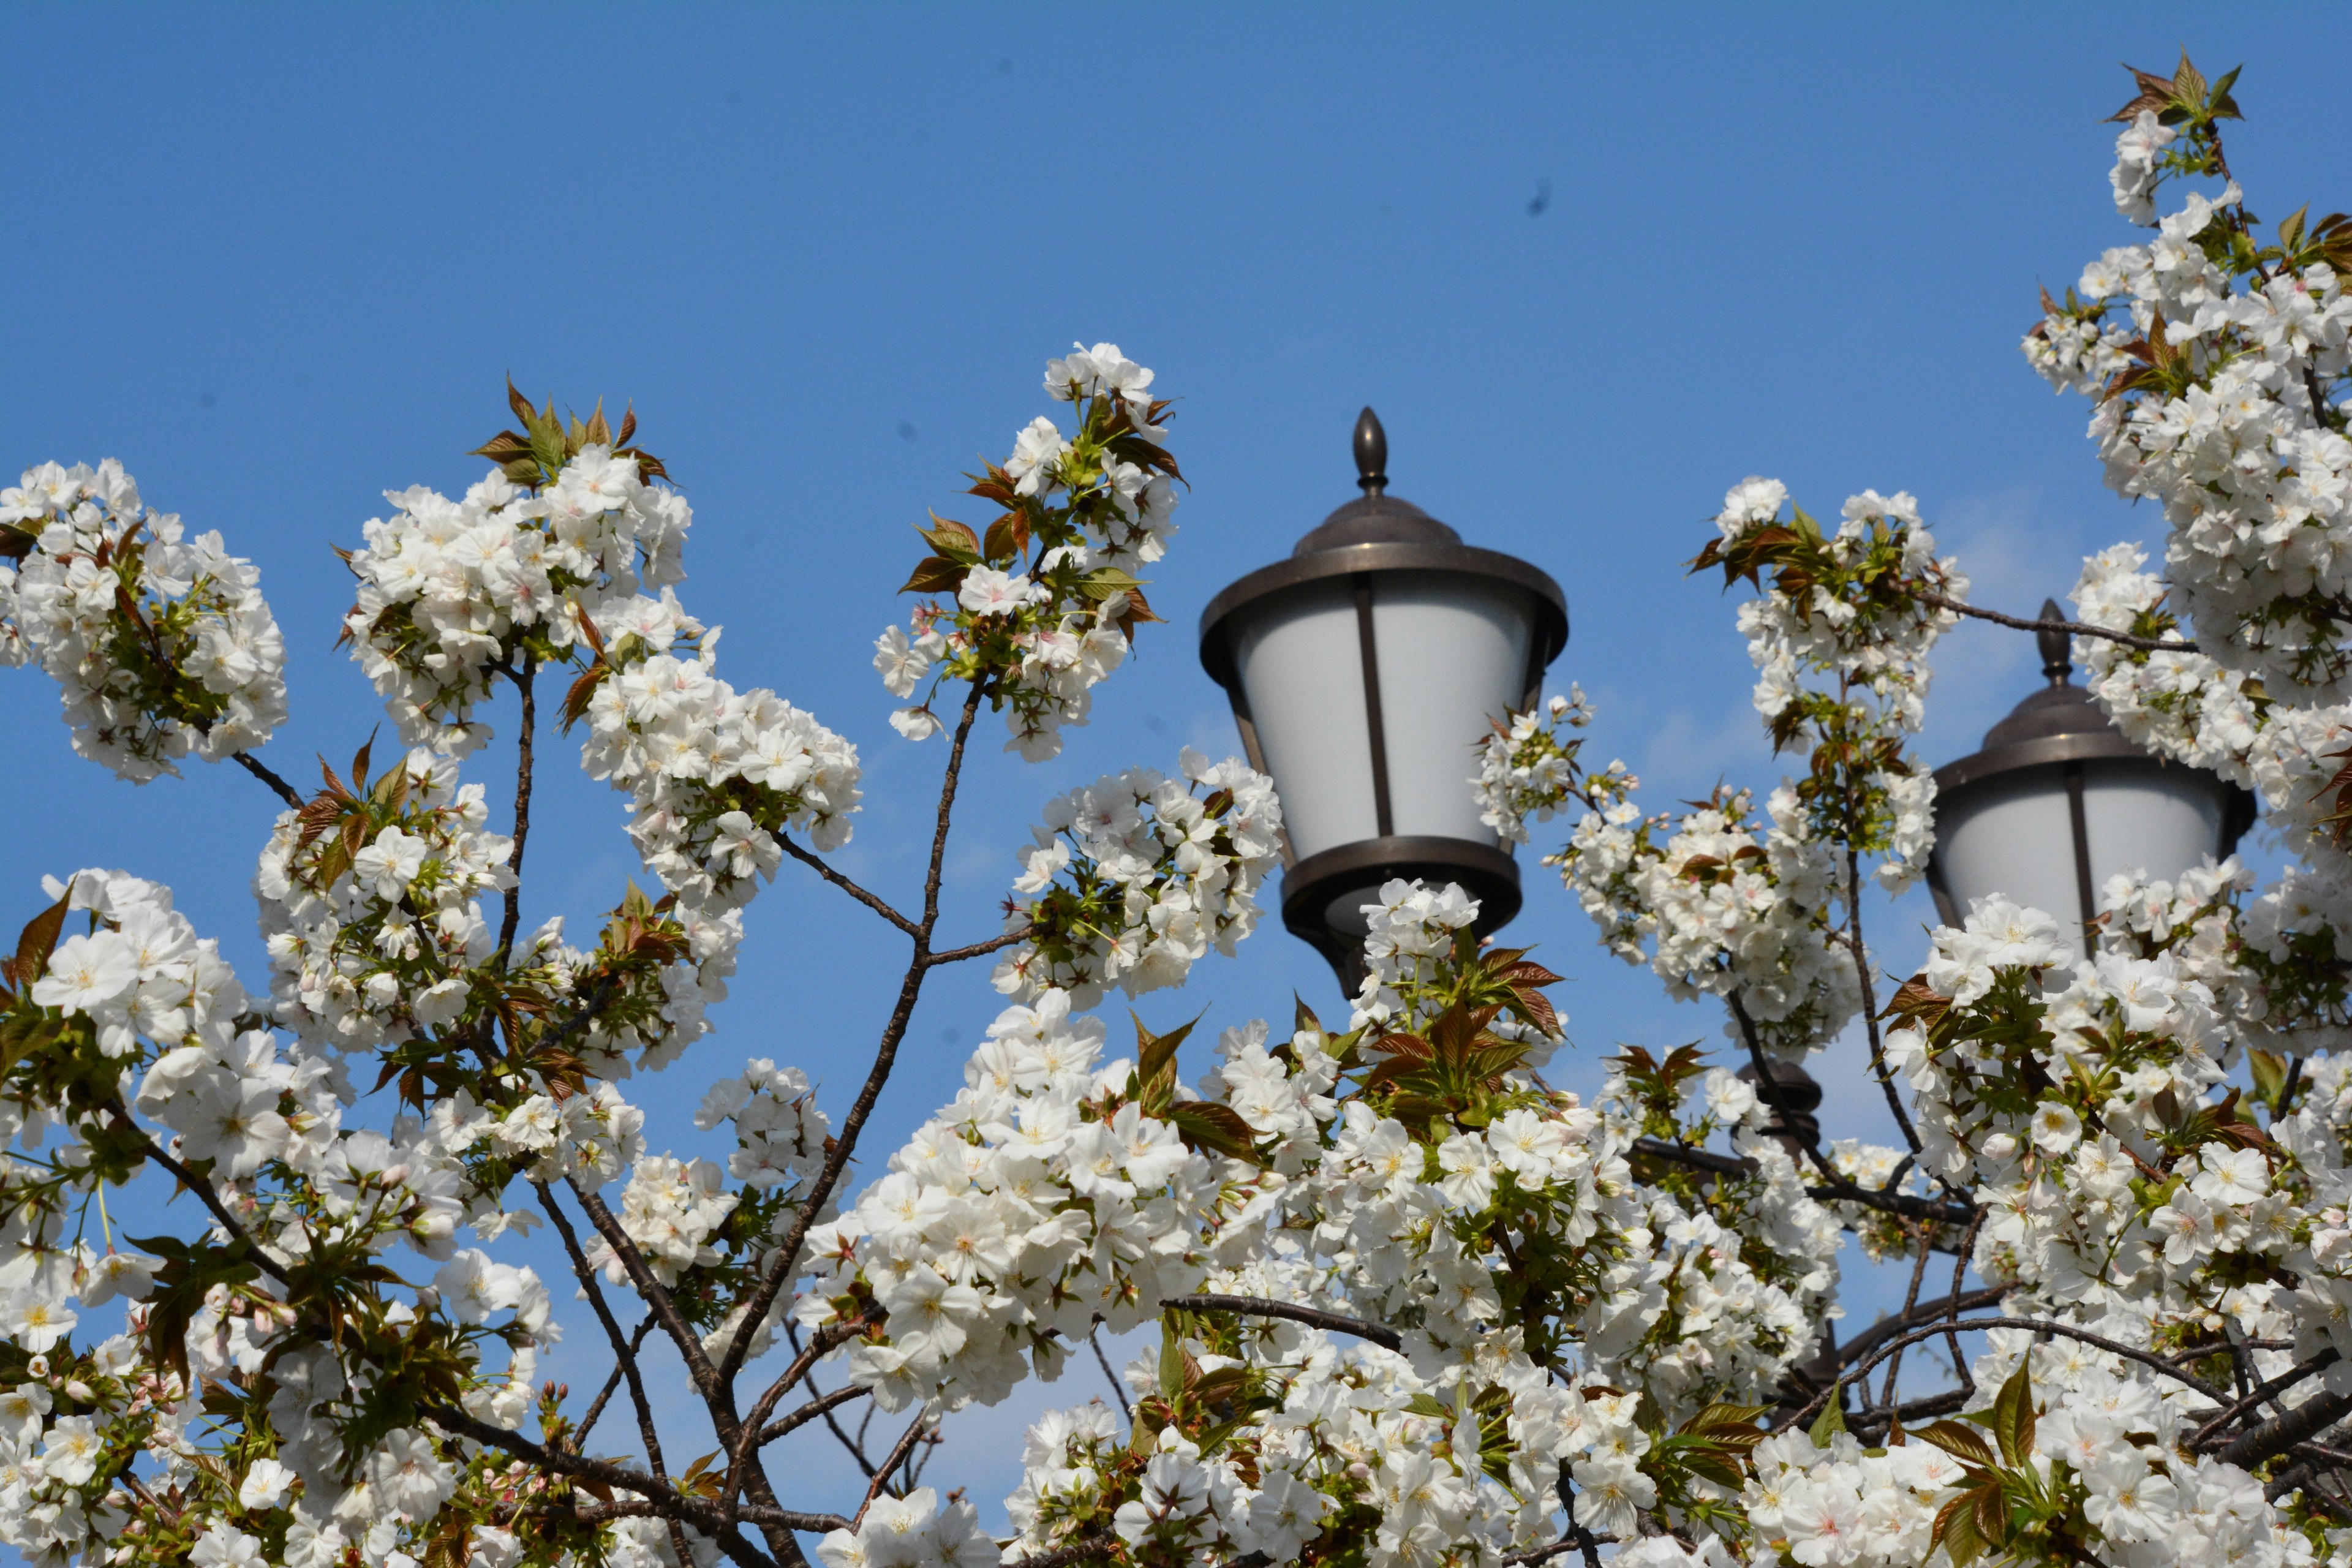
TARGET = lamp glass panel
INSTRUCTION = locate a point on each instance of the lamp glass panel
(1453, 654)
(2012, 834)
(1299, 658)
(2146, 817)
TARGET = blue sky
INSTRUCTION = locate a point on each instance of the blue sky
(1591, 267)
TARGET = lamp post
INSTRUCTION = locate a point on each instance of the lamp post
(1362, 671)
(2058, 801)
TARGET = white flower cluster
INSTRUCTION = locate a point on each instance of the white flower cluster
(1528, 771)
(2117, 1188)
(1726, 906)
(372, 938)
(1135, 877)
(1450, 1475)
(1042, 1199)
(2223, 411)
(138, 1015)
(159, 644)
(1044, 603)
(2281, 963)
(447, 589)
(2108, 1457)
(911, 1531)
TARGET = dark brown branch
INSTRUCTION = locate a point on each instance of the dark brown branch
(262, 771)
(885, 1057)
(1901, 1204)
(1064, 1557)
(1314, 1317)
(2074, 629)
(1870, 1003)
(1871, 1337)
(824, 1405)
(657, 1296)
(900, 1451)
(958, 954)
(871, 901)
(603, 1395)
(623, 1351)
(2270, 1390)
(660, 1498)
(2306, 1421)
(1910, 1305)
(751, 1436)
(1118, 1389)
(211, 1200)
(513, 916)
(2038, 1325)
(1834, 1184)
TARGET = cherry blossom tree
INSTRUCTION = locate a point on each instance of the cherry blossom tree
(1412, 1304)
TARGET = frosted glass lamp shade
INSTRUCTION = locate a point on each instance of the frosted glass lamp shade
(1364, 672)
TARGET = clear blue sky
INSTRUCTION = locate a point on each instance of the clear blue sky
(280, 259)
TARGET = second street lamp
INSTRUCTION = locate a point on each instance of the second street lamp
(2059, 800)
(1364, 671)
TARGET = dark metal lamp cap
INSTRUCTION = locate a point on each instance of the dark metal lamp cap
(1375, 517)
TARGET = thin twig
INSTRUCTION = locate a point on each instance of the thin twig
(958, 954)
(885, 1055)
(2072, 628)
(1834, 1184)
(580, 1433)
(2272, 1389)
(874, 901)
(1870, 998)
(211, 1200)
(899, 1450)
(823, 1405)
(262, 771)
(1314, 1317)
(623, 1350)
(1118, 1390)
(1910, 1301)
(2038, 1325)
(513, 916)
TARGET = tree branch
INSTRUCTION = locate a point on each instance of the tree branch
(2275, 1387)
(211, 1200)
(886, 1055)
(824, 1405)
(978, 949)
(2074, 629)
(2276, 1437)
(513, 916)
(1314, 1317)
(871, 901)
(262, 771)
(623, 1351)
(2038, 1325)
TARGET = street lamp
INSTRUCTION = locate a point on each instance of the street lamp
(2058, 801)
(1364, 671)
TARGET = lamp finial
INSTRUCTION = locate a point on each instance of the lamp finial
(2057, 648)
(1372, 454)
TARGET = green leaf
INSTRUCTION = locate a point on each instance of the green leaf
(1831, 1422)
(2013, 1417)
(1204, 1125)
(1958, 1441)
(952, 540)
(1171, 1357)
(1155, 1070)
